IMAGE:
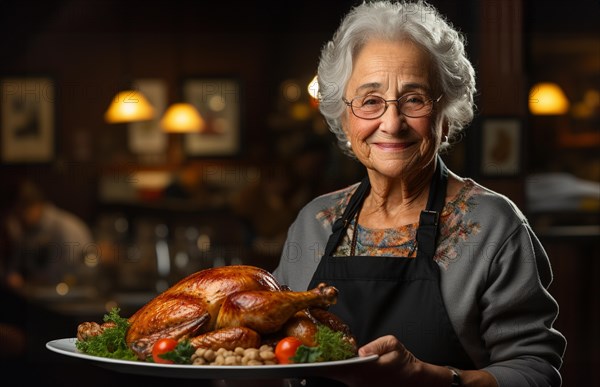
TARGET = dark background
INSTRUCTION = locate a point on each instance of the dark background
(89, 48)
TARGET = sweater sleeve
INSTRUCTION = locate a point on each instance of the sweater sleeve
(302, 250)
(282, 272)
(518, 312)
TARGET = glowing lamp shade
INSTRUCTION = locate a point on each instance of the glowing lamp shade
(547, 99)
(182, 118)
(129, 106)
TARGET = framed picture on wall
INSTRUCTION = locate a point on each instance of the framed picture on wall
(28, 119)
(147, 137)
(218, 102)
(501, 146)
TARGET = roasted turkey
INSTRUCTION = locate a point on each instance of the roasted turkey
(230, 306)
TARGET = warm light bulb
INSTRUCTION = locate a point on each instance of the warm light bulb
(129, 106)
(547, 99)
(62, 288)
(313, 88)
(182, 118)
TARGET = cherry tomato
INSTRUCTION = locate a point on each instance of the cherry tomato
(286, 349)
(163, 345)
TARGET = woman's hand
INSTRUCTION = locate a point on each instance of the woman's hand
(391, 352)
(396, 366)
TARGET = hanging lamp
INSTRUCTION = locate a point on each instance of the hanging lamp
(129, 106)
(182, 117)
(547, 98)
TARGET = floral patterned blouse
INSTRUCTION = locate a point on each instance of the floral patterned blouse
(401, 241)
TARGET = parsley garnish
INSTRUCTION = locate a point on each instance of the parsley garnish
(110, 343)
(181, 354)
(331, 345)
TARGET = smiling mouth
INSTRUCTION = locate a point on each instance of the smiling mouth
(394, 145)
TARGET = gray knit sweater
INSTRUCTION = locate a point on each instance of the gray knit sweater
(494, 280)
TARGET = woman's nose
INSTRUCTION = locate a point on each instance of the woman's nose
(393, 120)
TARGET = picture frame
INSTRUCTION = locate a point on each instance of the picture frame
(28, 114)
(501, 147)
(218, 101)
(147, 137)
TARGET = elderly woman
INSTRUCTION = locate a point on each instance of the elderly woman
(439, 276)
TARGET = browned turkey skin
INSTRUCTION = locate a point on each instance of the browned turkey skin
(229, 306)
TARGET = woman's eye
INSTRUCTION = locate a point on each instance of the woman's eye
(415, 99)
(371, 101)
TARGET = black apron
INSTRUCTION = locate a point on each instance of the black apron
(397, 296)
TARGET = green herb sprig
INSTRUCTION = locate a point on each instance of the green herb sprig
(111, 342)
(331, 346)
(181, 354)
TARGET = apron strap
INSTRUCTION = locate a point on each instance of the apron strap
(437, 190)
(340, 225)
(429, 218)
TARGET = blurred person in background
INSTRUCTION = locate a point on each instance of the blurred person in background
(44, 242)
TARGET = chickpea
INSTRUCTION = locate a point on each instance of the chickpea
(252, 354)
(230, 360)
(200, 352)
(199, 361)
(238, 356)
(267, 355)
(209, 355)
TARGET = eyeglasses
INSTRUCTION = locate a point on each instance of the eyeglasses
(370, 107)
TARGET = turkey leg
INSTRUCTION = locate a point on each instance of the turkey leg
(267, 311)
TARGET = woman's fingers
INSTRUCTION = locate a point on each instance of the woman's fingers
(381, 346)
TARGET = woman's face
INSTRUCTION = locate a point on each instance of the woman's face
(388, 144)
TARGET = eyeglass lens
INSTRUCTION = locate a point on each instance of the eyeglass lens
(371, 106)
